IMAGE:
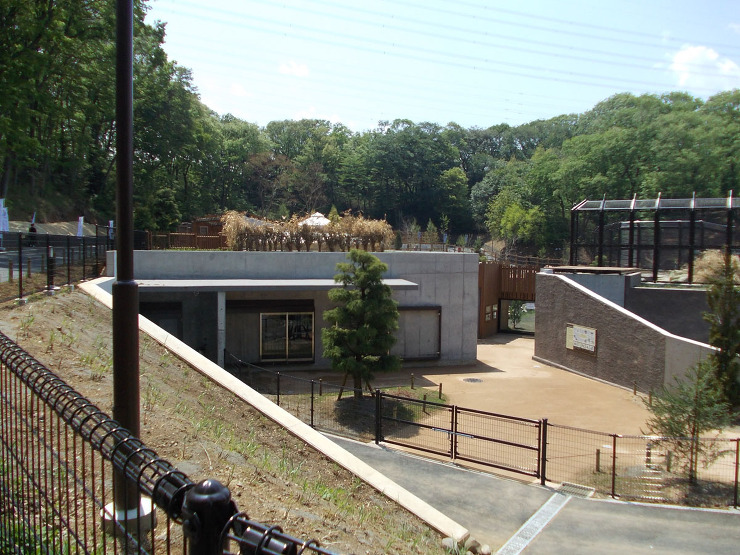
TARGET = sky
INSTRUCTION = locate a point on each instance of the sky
(476, 63)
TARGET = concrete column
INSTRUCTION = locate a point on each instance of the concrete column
(221, 329)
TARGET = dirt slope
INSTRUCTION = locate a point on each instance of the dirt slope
(209, 433)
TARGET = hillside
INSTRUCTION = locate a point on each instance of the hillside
(209, 433)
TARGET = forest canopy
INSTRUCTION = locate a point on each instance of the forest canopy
(57, 146)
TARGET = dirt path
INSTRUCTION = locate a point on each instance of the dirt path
(506, 380)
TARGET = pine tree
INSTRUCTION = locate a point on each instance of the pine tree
(723, 298)
(359, 340)
(692, 407)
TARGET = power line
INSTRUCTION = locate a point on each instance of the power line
(454, 60)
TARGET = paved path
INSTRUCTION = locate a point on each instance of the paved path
(514, 516)
(494, 509)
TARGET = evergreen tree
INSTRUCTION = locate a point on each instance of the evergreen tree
(683, 413)
(359, 340)
(723, 298)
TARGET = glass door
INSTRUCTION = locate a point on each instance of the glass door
(286, 336)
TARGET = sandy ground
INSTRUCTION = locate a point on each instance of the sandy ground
(506, 380)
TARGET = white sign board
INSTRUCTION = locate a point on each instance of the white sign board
(580, 338)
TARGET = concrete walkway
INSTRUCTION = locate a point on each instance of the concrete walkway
(495, 510)
(514, 516)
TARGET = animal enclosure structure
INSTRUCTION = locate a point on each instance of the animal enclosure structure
(656, 234)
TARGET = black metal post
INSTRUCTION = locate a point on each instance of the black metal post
(69, 260)
(728, 241)
(656, 243)
(737, 467)
(543, 451)
(631, 256)
(453, 434)
(125, 289)
(573, 255)
(96, 271)
(50, 266)
(312, 394)
(206, 512)
(278, 388)
(600, 251)
(20, 266)
(614, 466)
(84, 259)
(378, 416)
(692, 237)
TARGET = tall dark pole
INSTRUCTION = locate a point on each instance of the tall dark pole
(125, 290)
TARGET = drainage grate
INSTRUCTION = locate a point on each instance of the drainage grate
(576, 490)
(472, 380)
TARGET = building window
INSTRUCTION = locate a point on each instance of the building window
(286, 336)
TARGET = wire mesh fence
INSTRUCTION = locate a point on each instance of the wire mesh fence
(34, 262)
(72, 480)
(671, 470)
(497, 440)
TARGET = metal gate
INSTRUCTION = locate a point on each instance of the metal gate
(495, 440)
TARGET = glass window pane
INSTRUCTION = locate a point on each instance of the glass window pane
(300, 336)
(273, 336)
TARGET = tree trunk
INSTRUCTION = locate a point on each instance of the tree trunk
(358, 386)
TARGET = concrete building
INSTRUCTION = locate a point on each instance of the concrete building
(598, 322)
(267, 307)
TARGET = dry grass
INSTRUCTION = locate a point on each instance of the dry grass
(708, 266)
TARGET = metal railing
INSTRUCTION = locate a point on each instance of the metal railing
(33, 262)
(59, 456)
(630, 467)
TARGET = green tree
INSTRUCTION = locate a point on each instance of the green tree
(516, 311)
(723, 298)
(360, 337)
(692, 407)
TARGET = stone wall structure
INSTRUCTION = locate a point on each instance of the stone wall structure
(581, 331)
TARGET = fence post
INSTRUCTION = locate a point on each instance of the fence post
(20, 266)
(278, 389)
(206, 511)
(453, 434)
(543, 451)
(312, 393)
(737, 464)
(614, 466)
(50, 267)
(84, 257)
(69, 261)
(378, 416)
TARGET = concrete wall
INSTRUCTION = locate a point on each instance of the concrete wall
(445, 280)
(199, 318)
(678, 311)
(629, 349)
(610, 286)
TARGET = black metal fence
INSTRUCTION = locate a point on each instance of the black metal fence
(33, 262)
(630, 467)
(68, 474)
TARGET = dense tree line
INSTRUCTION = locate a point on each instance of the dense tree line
(57, 152)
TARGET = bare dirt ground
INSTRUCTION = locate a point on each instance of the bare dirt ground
(208, 433)
(506, 380)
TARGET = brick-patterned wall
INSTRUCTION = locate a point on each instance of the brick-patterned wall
(629, 350)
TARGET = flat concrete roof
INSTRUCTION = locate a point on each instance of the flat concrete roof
(177, 285)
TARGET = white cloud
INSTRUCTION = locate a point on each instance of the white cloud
(238, 91)
(294, 68)
(312, 113)
(702, 69)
